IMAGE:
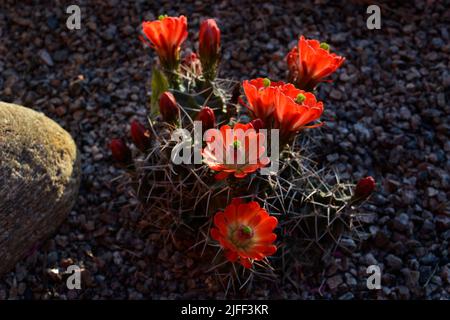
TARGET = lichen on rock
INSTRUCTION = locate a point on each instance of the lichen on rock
(39, 180)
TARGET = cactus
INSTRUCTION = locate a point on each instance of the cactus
(312, 209)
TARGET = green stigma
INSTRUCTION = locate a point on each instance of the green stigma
(162, 16)
(300, 98)
(246, 230)
(237, 144)
(245, 233)
(325, 46)
(266, 82)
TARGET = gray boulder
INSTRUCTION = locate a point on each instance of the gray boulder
(39, 180)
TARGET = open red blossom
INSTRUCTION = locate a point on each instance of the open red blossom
(245, 231)
(166, 36)
(281, 105)
(261, 95)
(293, 114)
(238, 150)
(310, 62)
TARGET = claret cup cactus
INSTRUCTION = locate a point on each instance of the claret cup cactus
(220, 161)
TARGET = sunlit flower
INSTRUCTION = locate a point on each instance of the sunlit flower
(310, 62)
(245, 231)
(261, 95)
(238, 150)
(293, 114)
(166, 35)
(281, 105)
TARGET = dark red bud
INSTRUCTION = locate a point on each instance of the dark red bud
(257, 124)
(209, 39)
(120, 151)
(209, 48)
(365, 187)
(207, 117)
(168, 107)
(140, 136)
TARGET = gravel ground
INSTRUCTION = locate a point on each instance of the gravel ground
(389, 116)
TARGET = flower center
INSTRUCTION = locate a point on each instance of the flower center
(162, 16)
(325, 46)
(300, 98)
(236, 144)
(245, 232)
(266, 82)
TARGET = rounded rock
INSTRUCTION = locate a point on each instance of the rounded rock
(40, 176)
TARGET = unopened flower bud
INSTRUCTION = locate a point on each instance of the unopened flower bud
(120, 151)
(257, 124)
(209, 47)
(207, 117)
(365, 187)
(168, 107)
(140, 136)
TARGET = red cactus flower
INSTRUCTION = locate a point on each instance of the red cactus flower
(140, 136)
(209, 46)
(261, 95)
(280, 105)
(120, 151)
(365, 187)
(168, 107)
(207, 117)
(245, 231)
(237, 151)
(166, 36)
(310, 62)
(294, 113)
